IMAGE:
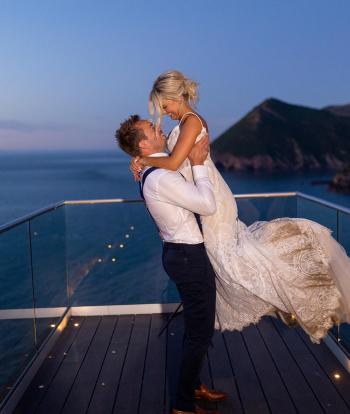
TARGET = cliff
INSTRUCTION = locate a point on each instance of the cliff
(279, 136)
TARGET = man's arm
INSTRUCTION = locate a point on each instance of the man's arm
(199, 197)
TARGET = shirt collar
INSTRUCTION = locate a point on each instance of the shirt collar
(156, 154)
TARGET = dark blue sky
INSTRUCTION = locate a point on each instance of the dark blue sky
(72, 70)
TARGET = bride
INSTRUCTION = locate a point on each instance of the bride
(289, 266)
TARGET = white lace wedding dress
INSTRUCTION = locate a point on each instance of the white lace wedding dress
(292, 265)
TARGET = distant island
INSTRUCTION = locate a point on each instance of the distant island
(278, 136)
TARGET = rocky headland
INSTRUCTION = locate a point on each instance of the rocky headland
(278, 136)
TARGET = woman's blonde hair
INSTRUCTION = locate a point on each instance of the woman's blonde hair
(171, 85)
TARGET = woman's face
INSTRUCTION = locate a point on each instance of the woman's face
(171, 108)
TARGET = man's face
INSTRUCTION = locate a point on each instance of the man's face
(155, 139)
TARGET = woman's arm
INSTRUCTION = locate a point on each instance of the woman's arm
(190, 130)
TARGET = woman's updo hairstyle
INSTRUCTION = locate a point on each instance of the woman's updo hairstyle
(171, 85)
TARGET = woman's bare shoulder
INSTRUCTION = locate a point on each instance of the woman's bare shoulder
(192, 119)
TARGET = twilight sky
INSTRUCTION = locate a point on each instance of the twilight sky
(72, 70)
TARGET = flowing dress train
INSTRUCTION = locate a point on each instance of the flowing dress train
(292, 265)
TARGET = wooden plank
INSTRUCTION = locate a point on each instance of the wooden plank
(174, 354)
(128, 394)
(79, 396)
(223, 378)
(323, 388)
(298, 388)
(41, 382)
(248, 384)
(55, 397)
(103, 396)
(153, 386)
(330, 365)
(252, 367)
(274, 389)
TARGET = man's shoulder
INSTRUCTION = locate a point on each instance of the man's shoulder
(158, 176)
(157, 173)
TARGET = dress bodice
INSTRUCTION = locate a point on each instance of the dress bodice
(185, 167)
(174, 135)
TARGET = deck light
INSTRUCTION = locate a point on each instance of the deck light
(336, 376)
(132, 227)
(127, 236)
(109, 246)
(53, 325)
(41, 386)
(121, 245)
(114, 259)
(76, 324)
(99, 260)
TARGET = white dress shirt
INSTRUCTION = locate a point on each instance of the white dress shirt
(171, 200)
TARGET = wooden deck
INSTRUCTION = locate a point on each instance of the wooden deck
(118, 364)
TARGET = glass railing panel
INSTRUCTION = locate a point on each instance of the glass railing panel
(342, 334)
(266, 208)
(17, 334)
(312, 210)
(344, 230)
(48, 241)
(114, 256)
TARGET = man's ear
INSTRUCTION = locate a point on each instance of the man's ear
(144, 146)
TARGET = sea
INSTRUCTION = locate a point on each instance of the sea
(33, 180)
(111, 252)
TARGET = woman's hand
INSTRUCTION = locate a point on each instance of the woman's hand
(136, 166)
(199, 151)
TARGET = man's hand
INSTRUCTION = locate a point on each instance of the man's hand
(200, 151)
(136, 167)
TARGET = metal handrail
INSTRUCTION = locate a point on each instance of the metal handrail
(104, 201)
(324, 202)
(36, 213)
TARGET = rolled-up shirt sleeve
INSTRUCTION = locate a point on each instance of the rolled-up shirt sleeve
(198, 198)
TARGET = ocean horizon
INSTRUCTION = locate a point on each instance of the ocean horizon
(31, 180)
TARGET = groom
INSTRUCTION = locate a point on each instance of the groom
(172, 201)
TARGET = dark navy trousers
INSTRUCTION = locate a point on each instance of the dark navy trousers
(189, 267)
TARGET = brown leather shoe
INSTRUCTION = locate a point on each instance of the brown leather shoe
(204, 393)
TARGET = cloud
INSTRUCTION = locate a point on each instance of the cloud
(21, 126)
